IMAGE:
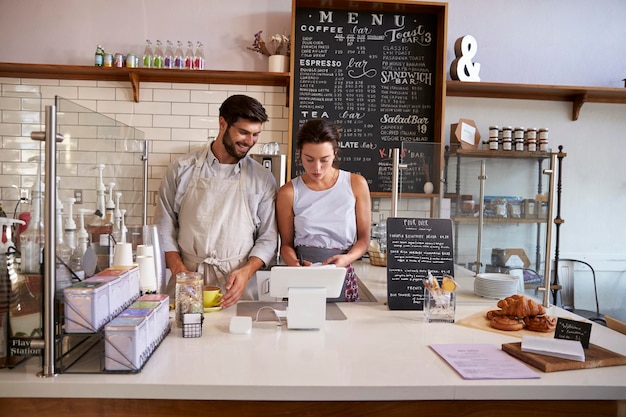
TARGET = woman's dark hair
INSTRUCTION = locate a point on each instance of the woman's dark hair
(318, 131)
(241, 106)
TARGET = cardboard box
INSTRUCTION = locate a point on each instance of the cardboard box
(518, 252)
(466, 133)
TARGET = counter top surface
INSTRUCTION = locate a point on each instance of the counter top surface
(376, 354)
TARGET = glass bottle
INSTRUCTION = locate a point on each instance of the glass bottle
(148, 55)
(100, 227)
(117, 220)
(32, 239)
(179, 57)
(199, 57)
(63, 276)
(76, 258)
(99, 58)
(189, 56)
(157, 61)
(168, 59)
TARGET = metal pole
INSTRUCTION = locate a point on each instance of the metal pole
(50, 245)
(144, 158)
(395, 174)
(548, 262)
(481, 203)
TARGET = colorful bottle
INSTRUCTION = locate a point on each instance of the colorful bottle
(157, 62)
(99, 59)
(189, 56)
(199, 57)
(148, 55)
(179, 57)
(168, 58)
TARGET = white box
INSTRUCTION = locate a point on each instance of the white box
(125, 344)
(86, 307)
(114, 285)
(163, 311)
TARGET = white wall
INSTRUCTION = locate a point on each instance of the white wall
(574, 42)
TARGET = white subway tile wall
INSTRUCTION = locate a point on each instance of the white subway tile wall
(174, 117)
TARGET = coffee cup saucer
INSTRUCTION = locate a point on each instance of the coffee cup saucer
(212, 309)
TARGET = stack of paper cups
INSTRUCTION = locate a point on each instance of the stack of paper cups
(123, 255)
(147, 270)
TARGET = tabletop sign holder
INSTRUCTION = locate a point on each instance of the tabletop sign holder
(573, 330)
(414, 248)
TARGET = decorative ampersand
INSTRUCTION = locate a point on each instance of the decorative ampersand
(462, 68)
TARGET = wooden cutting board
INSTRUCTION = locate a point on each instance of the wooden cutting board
(595, 357)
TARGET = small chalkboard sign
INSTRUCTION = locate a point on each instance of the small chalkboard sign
(573, 330)
(416, 247)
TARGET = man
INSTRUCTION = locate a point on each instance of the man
(216, 206)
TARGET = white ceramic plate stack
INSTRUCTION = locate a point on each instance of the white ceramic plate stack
(494, 285)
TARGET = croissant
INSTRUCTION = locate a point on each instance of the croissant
(520, 306)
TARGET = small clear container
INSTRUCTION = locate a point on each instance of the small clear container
(439, 306)
(189, 293)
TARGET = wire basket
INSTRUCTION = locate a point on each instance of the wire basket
(192, 324)
(378, 258)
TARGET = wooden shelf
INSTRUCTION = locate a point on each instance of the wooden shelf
(137, 75)
(483, 153)
(577, 95)
(498, 220)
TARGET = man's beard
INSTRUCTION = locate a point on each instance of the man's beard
(231, 148)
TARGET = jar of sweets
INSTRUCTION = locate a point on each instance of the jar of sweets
(518, 137)
(543, 139)
(531, 139)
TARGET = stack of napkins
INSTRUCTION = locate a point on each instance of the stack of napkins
(560, 348)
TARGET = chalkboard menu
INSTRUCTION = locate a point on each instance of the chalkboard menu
(415, 247)
(376, 69)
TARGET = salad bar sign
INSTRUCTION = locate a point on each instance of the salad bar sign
(374, 73)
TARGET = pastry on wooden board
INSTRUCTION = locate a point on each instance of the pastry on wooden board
(518, 312)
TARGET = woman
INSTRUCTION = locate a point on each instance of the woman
(324, 215)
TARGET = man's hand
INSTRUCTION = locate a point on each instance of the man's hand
(237, 281)
(235, 286)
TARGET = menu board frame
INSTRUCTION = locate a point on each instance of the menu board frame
(415, 248)
(375, 165)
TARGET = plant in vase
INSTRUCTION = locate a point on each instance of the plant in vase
(277, 51)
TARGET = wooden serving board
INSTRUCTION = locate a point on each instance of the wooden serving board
(479, 321)
(595, 357)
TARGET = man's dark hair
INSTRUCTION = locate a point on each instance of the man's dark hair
(241, 106)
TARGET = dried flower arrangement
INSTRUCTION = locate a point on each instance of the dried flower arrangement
(281, 45)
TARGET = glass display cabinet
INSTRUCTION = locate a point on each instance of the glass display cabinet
(501, 209)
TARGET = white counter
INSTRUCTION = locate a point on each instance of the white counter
(374, 355)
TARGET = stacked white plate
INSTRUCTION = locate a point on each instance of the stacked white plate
(494, 285)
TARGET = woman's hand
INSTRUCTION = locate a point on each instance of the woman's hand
(341, 260)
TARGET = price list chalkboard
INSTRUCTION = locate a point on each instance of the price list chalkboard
(415, 247)
(376, 74)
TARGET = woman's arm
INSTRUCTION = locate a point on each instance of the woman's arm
(284, 219)
(363, 210)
